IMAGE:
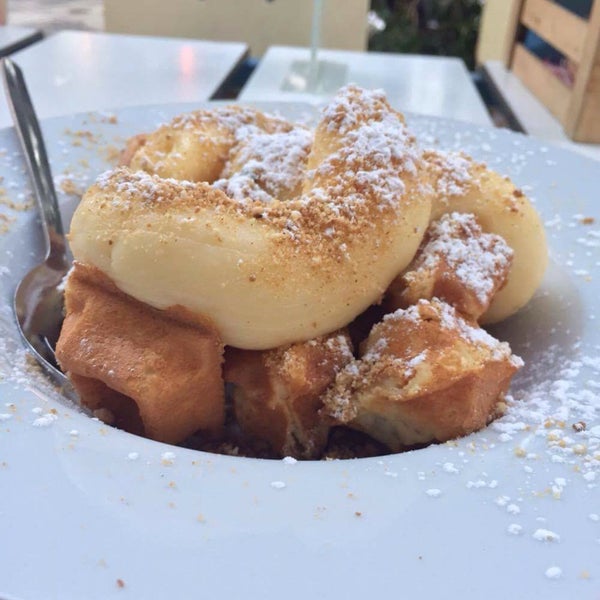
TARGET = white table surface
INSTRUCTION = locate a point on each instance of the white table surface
(12, 38)
(533, 116)
(73, 71)
(429, 85)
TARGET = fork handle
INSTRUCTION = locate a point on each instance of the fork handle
(32, 143)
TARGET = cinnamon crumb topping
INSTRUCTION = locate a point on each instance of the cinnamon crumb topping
(355, 192)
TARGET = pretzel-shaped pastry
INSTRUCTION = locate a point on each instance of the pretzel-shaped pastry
(265, 271)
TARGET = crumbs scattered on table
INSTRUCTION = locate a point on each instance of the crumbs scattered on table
(20, 206)
(111, 154)
(102, 117)
(5, 222)
(67, 185)
(584, 574)
(120, 583)
(78, 137)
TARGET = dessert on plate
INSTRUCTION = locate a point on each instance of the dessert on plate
(249, 281)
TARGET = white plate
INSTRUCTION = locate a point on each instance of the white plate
(87, 511)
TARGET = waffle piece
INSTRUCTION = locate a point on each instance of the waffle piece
(108, 405)
(153, 373)
(458, 263)
(277, 393)
(426, 375)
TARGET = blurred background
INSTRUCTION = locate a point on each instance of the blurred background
(511, 48)
(433, 27)
(438, 27)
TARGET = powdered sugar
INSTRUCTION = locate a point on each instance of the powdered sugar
(167, 458)
(545, 535)
(45, 420)
(375, 154)
(342, 114)
(455, 177)
(548, 403)
(266, 166)
(449, 319)
(554, 572)
(138, 186)
(475, 258)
